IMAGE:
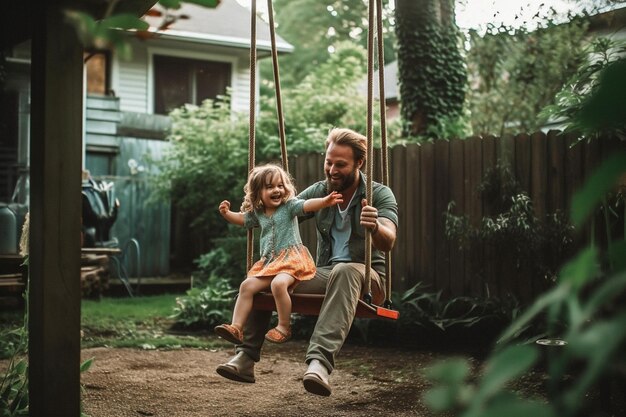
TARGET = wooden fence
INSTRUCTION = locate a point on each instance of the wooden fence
(425, 178)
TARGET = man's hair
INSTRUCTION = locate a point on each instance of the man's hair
(258, 178)
(348, 137)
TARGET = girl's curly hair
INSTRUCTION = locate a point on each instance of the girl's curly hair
(258, 178)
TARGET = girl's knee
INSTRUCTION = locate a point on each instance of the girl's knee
(281, 283)
(246, 286)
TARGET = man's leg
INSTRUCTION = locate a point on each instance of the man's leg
(241, 366)
(344, 288)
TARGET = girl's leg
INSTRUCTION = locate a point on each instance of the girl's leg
(280, 290)
(247, 290)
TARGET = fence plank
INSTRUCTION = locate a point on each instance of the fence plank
(539, 170)
(427, 259)
(442, 198)
(473, 207)
(556, 172)
(413, 227)
(574, 168)
(522, 164)
(406, 217)
(457, 194)
(491, 276)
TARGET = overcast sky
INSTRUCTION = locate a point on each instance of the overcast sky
(477, 13)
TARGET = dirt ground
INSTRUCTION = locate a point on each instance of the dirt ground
(367, 381)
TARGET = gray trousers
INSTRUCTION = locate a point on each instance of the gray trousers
(343, 284)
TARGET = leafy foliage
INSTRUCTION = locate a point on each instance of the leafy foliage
(14, 400)
(428, 319)
(521, 239)
(515, 73)
(607, 115)
(589, 299)
(431, 70)
(207, 161)
(205, 307)
(228, 259)
(14, 382)
(326, 98)
(316, 28)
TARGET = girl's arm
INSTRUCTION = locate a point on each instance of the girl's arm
(315, 204)
(230, 216)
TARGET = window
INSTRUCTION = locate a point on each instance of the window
(97, 68)
(182, 80)
(100, 163)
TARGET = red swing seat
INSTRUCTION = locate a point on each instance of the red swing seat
(309, 305)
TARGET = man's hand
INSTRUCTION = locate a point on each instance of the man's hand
(369, 216)
(383, 230)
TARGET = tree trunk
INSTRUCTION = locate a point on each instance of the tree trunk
(430, 66)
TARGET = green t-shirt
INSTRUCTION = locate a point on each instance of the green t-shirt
(384, 201)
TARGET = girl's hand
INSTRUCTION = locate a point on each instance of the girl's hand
(334, 198)
(224, 207)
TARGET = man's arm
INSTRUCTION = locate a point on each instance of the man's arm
(383, 230)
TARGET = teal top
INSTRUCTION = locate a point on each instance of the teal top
(278, 231)
(384, 201)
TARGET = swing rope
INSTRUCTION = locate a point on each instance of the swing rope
(370, 310)
(251, 130)
(279, 101)
(383, 131)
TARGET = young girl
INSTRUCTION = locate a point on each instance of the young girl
(270, 203)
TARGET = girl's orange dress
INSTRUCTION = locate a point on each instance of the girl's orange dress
(282, 250)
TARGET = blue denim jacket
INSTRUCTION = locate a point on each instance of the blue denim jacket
(383, 199)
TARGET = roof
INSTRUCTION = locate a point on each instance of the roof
(226, 25)
(612, 20)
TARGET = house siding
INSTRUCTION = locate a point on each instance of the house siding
(130, 81)
(132, 78)
(241, 89)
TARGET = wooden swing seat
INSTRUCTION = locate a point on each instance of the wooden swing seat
(309, 305)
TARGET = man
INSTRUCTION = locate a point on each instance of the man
(340, 273)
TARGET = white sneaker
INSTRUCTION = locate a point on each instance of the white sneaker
(315, 379)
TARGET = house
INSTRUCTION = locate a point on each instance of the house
(392, 93)
(204, 52)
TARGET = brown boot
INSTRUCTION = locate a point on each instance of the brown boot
(240, 368)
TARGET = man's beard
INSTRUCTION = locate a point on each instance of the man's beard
(345, 183)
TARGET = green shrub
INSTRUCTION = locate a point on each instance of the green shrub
(588, 297)
(428, 320)
(228, 260)
(520, 237)
(203, 308)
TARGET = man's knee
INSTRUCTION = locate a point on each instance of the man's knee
(345, 274)
(347, 269)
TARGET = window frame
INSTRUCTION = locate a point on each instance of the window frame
(202, 56)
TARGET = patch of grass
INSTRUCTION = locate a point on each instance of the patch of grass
(137, 309)
(139, 322)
